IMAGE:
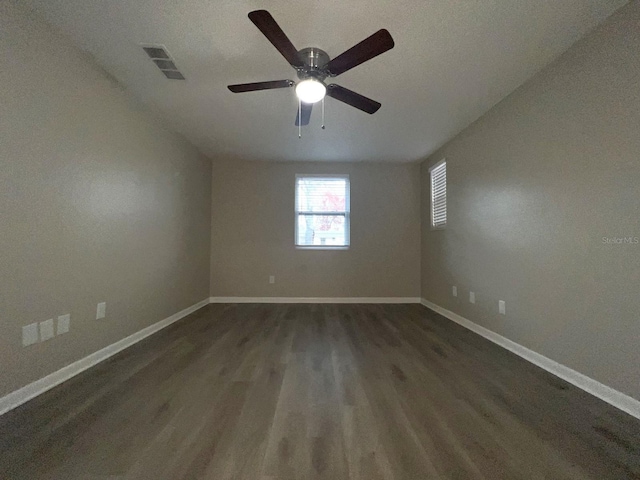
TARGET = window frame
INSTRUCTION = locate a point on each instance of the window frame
(432, 168)
(346, 213)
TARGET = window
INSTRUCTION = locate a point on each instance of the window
(439, 194)
(322, 211)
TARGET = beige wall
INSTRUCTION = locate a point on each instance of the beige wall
(98, 203)
(533, 187)
(252, 233)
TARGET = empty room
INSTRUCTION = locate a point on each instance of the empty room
(319, 240)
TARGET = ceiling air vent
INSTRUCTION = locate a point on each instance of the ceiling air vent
(163, 61)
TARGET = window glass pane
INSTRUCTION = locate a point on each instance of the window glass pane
(322, 194)
(439, 195)
(322, 230)
(322, 211)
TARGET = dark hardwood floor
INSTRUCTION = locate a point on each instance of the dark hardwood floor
(265, 392)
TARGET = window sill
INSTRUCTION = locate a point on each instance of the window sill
(320, 247)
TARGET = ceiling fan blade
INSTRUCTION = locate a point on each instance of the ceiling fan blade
(306, 114)
(352, 98)
(268, 26)
(252, 87)
(367, 49)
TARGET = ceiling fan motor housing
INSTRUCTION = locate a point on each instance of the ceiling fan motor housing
(315, 62)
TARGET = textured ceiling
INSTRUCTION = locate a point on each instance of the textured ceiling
(452, 62)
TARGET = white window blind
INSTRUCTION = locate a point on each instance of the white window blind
(439, 194)
(322, 211)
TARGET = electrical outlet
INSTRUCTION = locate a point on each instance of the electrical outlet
(502, 307)
(101, 311)
(455, 291)
(29, 334)
(272, 279)
(46, 330)
(472, 297)
(63, 324)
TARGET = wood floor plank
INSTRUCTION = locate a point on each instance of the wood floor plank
(303, 391)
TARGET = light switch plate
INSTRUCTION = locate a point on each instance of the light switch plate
(272, 279)
(63, 324)
(101, 311)
(502, 307)
(29, 334)
(455, 291)
(472, 297)
(46, 330)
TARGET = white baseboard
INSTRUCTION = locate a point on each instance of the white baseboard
(617, 399)
(26, 393)
(314, 299)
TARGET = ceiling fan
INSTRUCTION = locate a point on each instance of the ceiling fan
(313, 66)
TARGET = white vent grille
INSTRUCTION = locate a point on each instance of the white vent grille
(439, 194)
(164, 61)
(156, 52)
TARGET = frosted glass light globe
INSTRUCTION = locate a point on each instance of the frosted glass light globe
(310, 91)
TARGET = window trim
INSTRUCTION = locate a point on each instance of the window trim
(346, 213)
(431, 204)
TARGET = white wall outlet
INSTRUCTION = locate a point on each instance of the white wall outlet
(472, 297)
(63, 324)
(46, 330)
(29, 334)
(272, 279)
(502, 308)
(455, 291)
(101, 311)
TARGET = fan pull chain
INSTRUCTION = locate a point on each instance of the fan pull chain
(299, 118)
(323, 113)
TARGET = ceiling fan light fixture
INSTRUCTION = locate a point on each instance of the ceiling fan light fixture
(310, 90)
(313, 66)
